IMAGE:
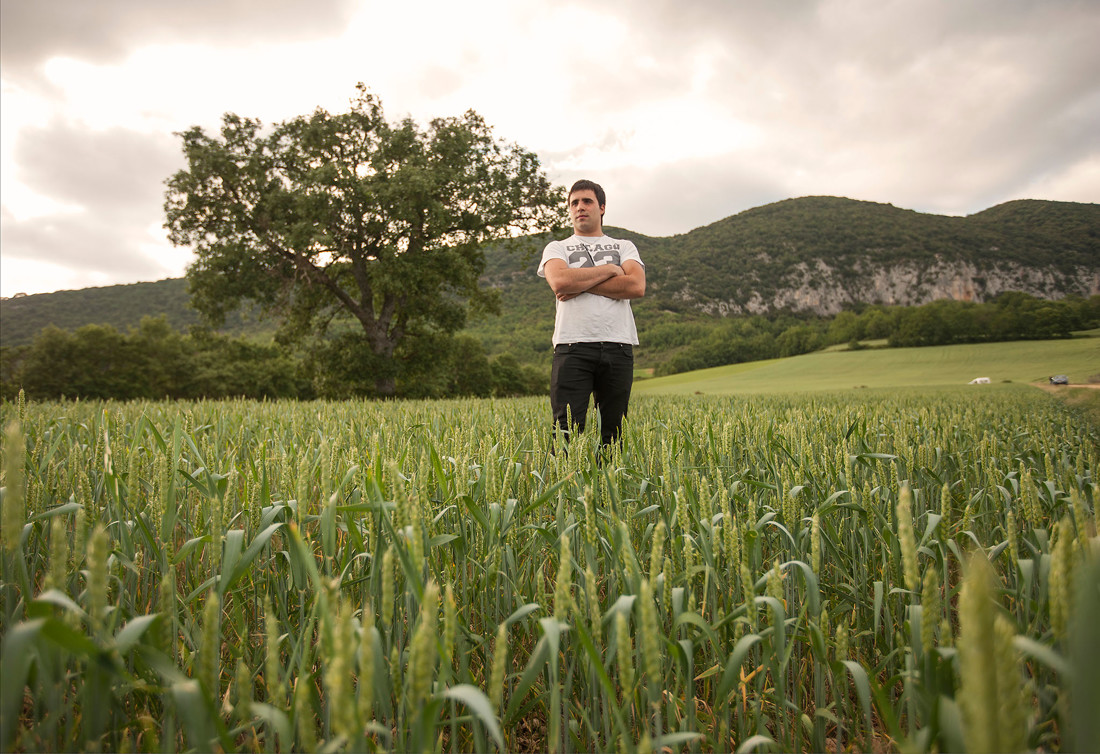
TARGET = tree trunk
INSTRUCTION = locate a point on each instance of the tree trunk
(385, 386)
(385, 370)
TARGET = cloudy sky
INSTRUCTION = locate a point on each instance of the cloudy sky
(687, 111)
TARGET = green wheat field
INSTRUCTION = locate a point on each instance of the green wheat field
(913, 569)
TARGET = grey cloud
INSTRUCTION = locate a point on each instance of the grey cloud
(1035, 111)
(117, 172)
(608, 139)
(943, 107)
(810, 49)
(675, 198)
(114, 182)
(32, 31)
(83, 242)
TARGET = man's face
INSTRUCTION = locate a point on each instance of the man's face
(585, 212)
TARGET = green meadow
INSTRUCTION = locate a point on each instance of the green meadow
(934, 366)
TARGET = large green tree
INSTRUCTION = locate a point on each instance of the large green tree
(332, 217)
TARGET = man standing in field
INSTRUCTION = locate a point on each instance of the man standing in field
(593, 277)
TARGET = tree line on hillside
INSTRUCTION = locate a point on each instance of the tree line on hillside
(154, 361)
(1010, 316)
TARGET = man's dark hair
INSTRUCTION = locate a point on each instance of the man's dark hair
(586, 185)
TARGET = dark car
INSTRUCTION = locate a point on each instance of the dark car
(1059, 379)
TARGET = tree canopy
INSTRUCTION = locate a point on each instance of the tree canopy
(345, 216)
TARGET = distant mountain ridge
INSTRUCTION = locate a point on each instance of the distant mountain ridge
(811, 254)
(822, 254)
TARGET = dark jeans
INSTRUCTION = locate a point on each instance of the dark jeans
(602, 370)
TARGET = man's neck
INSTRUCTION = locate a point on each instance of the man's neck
(597, 234)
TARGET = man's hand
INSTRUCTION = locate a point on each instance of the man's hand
(631, 284)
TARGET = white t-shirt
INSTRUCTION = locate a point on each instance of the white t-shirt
(589, 317)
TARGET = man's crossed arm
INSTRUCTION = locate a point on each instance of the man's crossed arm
(608, 280)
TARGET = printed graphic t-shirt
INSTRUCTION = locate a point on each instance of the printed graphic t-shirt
(589, 317)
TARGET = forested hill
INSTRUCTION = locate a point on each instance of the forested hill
(822, 254)
(120, 306)
(813, 254)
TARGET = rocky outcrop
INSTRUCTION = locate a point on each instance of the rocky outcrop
(822, 289)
